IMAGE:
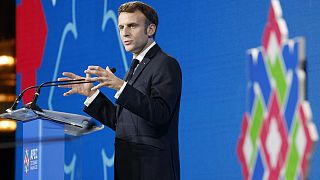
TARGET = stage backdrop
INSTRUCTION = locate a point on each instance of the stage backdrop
(233, 58)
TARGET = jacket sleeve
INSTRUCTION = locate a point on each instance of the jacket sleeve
(102, 109)
(164, 97)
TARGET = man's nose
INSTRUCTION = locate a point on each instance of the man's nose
(126, 31)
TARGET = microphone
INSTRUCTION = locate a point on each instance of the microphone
(16, 102)
(33, 104)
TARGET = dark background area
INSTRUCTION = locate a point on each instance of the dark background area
(7, 19)
(7, 76)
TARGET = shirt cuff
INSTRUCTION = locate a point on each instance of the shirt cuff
(91, 98)
(120, 90)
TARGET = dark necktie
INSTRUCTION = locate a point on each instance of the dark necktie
(134, 64)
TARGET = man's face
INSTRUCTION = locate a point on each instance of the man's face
(133, 31)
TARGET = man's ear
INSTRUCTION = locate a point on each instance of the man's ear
(151, 30)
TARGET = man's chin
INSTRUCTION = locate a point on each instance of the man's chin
(131, 50)
(128, 48)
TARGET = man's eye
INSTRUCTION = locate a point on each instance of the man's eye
(120, 27)
(132, 26)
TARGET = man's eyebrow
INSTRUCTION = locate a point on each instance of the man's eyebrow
(130, 24)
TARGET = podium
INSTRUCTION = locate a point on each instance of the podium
(40, 140)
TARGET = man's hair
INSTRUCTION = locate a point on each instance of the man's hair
(148, 11)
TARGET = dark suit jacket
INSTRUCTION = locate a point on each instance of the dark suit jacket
(147, 110)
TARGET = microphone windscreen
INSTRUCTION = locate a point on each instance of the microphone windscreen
(113, 70)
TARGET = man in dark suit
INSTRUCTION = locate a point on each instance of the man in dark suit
(145, 116)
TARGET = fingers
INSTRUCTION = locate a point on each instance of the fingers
(95, 70)
(70, 75)
(94, 79)
(105, 77)
(68, 93)
(82, 89)
(97, 87)
(98, 71)
(64, 79)
(66, 86)
(89, 78)
(108, 69)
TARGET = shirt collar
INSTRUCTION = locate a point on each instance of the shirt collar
(144, 52)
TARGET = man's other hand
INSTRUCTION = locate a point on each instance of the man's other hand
(105, 78)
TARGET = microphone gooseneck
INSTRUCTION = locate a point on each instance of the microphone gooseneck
(32, 104)
(16, 102)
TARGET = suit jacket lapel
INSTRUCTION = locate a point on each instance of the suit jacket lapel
(144, 63)
(139, 69)
(147, 58)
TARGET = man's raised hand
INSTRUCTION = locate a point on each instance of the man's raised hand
(83, 89)
(105, 78)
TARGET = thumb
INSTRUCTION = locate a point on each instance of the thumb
(88, 76)
(108, 69)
